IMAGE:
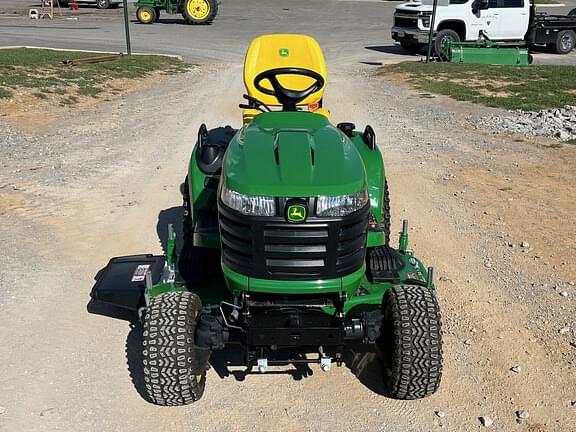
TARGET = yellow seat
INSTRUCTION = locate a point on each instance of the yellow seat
(284, 50)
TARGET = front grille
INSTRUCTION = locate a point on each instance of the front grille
(271, 248)
(405, 22)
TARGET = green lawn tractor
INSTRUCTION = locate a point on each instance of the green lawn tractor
(193, 11)
(286, 253)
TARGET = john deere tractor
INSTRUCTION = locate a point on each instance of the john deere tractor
(286, 247)
(193, 11)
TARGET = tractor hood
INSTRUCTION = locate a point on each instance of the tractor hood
(292, 154)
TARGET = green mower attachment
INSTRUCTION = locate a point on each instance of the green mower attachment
(286, 250)
(488, 52)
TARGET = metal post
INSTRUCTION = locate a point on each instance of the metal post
(126, 27)
(431, 33)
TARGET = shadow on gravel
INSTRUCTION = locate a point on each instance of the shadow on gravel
(366, 366)
(391, 49)
(172, 216)
(233, 356)
(135, 359)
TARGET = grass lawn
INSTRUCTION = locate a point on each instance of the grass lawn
(42, 73)
(529, 88)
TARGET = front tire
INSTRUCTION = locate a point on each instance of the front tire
(565, 42)
(103, 4)
(200, 11)
(174, 367)
(410, 342)
(146, 15)
(441, 42)
(572, 12)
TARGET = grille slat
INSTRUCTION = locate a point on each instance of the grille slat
(405, 22)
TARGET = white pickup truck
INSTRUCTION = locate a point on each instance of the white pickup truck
(460, 20)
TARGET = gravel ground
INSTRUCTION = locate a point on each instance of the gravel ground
(493, 213)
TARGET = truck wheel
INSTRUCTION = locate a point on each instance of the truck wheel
(200, 11)
(386, 213)
(565, 42)
(572, 12)
(411, 47)
(174, 368)
(410, 342)
(103, 4)
(441, 42)
(146, 14)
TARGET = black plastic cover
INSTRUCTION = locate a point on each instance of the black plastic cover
(383, 264)
(211, 147)
(122, 282)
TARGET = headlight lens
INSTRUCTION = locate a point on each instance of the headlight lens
(248, 204)
(426, 17)
(341, 205)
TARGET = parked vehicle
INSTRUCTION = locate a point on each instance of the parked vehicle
(557, 32)
(193, 11)
(100, 4)
(508, 21)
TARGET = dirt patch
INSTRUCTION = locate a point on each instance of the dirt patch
(29, 112)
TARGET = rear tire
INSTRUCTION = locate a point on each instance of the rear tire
(441, 42)
(565, 42)
(410, 342)
(174, 368)
(102, 4)
(200, 11)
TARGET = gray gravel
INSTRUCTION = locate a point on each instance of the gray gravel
(557, 123)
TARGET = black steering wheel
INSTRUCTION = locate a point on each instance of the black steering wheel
(288, 97)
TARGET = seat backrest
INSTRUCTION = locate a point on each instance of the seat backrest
(284, 50)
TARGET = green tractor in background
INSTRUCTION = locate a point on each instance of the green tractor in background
(286, 247)
(193, 11)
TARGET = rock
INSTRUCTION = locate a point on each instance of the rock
(439, 413)
(564, 293)
(467, 342)
(522, 414)
(2, 410)
(564, 330)
(486, 421)
(524, 244)
(516, 369)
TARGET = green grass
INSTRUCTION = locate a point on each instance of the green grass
(42, 72)
(546, 2)
(529, 88)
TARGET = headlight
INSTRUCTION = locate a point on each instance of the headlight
(426, 17)
(341, 205)
(248, 204)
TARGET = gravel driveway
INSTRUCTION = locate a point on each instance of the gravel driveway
(493, 213)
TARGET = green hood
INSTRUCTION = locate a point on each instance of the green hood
(292, 154)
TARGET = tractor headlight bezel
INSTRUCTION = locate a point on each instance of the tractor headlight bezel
(341, 205)
(251, 205)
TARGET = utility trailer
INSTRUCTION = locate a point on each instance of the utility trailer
(557, 32)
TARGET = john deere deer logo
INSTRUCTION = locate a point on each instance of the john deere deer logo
(296, 213)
